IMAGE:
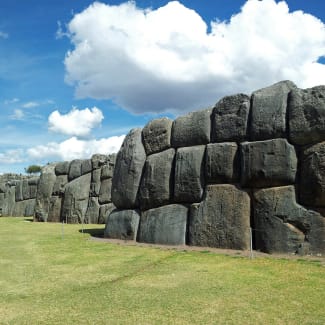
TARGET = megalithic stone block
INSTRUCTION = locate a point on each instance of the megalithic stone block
(268, 163)
(165, 225)
(122, 224)
(307, 115)
(269, 110)
(192, 129)
(283, 226)
(128, 170)
(222, 219)
(156, 186)
(189, 174)
(157, 135)
(230, 119)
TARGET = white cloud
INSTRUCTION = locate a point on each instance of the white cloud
(155, 60)
(4, 35)
(74, 148)
(18, 115)
(31, 104)
(76, 122)
(12, 156)
(11, 101)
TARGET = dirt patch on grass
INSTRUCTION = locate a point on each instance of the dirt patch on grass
(230, 252)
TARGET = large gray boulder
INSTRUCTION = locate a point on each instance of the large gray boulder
(192, 129)
(283, 226)
(230, 118)
(222, 219)
(122, 224)
(9, 201)
(312, 176)
(307, 115)
(268, 111)
(86, 166)
(25, 189)
(44, 192)
(189, 174)
(107, 171)
(75, 201)
(156, 135)
(268, 163)
(222, 163)
(23, 208)
(62, 168)
(156, 185)
(165, 225)
(75, 169)
(128, 170)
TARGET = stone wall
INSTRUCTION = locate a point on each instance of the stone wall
(17, 195)
(76, 192)
(250, 162)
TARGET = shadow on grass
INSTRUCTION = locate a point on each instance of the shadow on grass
(30, 219)
(95, 232)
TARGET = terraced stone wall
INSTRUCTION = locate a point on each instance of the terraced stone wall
(76, 192)
(17, 195)
(251, 163)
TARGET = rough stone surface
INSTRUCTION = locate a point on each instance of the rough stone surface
(75, 201)
(312, 178)
(192, 129)
(222, 163)
(189, 172)
(95, 182)
(128, 170)
(165, 225)
(268, 111)
(122, 224)
(283, 226)
(107, 171)
(75, 169)
(44, 192)
(98, 160)
(25, 189)
(24, 208)
(62, 168)
(156, 186)
(268, 163)
(19, 191)
(55, 209)
(307, 115)
(92, 213)
(105, 191)
(86, 166)
(230, 119)
(157, 135)
(222, 220)
(104, 212)
(59, 185)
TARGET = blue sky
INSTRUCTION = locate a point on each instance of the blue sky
(76, 76)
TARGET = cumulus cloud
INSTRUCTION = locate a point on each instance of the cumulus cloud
(18, 115)
(76, 122)
(155, 60)
(12, 156)
(31, 104)
(75, 148)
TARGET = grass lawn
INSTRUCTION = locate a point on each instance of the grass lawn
(47, 278)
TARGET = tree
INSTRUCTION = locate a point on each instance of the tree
(33, 169)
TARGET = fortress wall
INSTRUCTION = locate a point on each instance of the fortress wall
(209, 177)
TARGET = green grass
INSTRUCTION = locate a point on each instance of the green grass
(47, 279)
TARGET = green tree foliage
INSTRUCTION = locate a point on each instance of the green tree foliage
(33, 169)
